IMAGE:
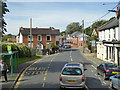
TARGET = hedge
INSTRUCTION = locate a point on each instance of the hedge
(23, 50)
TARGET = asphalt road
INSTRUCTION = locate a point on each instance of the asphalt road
(45, 73)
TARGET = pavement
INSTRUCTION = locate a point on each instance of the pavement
(12, 80)
(91, 57)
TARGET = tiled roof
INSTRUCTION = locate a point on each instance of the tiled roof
(111, 24)
(42, 31)
(75, 34)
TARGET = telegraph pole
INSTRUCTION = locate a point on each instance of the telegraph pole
(83, 34)
(30, 32)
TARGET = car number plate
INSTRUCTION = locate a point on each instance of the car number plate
(71, 81)
(115, 72)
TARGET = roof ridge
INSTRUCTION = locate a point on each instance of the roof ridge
(106, 23)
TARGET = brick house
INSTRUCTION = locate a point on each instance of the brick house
(40, 36)
(75, 38)
(80, 40)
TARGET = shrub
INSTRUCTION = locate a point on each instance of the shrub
(89, 47)
(23, 50)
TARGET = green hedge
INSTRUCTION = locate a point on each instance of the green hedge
(23, 50)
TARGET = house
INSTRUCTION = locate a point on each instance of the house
(75, 38)
(95, 32)
(108, 47)
(80, 40)
(40, 37)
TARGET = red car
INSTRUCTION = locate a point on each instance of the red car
(69, 46)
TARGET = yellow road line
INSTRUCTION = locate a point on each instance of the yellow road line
(44, 78)
(45, 72)
(17, 84)
(43, 85)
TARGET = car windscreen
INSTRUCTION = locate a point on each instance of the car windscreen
(72, 71)
(111, 65)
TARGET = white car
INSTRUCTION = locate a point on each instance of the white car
(72, 76)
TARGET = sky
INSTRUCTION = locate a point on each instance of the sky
(55, 14)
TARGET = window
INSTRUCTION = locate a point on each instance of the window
(29, 45)
(72, 71)
(39, 38)
(81, 44)
(29, 39)
(48, 38)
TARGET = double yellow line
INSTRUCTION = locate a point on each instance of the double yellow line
(20, 78)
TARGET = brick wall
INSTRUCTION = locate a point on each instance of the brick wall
(80, 44)
(35, 40)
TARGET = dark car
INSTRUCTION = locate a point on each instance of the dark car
(107, 70)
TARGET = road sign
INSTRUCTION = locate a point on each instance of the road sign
(93, 43)
(9, 49)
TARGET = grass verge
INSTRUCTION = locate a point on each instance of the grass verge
(22, 60)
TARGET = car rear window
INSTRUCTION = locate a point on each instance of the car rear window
(72, 71)
(73, 65)
(110, 65)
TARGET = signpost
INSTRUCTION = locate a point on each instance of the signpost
(94, 45)
(9, 49)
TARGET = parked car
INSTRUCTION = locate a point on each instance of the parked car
(65, 46)
(107, 70)
(69, 46)
(115, 81)
(72, 76)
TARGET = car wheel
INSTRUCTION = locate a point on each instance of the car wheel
(111, 84)
(104, 76)
(61, 88)
(98, 72)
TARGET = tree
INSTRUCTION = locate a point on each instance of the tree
(73, 27)
(63, 32)
(5, 37)
(97, 24)
(3, 11)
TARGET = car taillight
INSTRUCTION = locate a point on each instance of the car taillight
(107, 71)
(60, 77)
(83, 78)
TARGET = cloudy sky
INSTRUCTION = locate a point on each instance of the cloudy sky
(54, 13)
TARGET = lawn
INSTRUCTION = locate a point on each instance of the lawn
(22, 60)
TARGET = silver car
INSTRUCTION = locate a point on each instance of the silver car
(72, 76)
(115, 81)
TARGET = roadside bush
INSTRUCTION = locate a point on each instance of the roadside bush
(89, 47)
(23, 50)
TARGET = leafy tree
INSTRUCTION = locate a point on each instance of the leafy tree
(5, 37)
(73, 27)
(3, 11)
(63, 32)
(93, 38)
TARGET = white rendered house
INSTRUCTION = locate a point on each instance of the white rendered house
(108, 47)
